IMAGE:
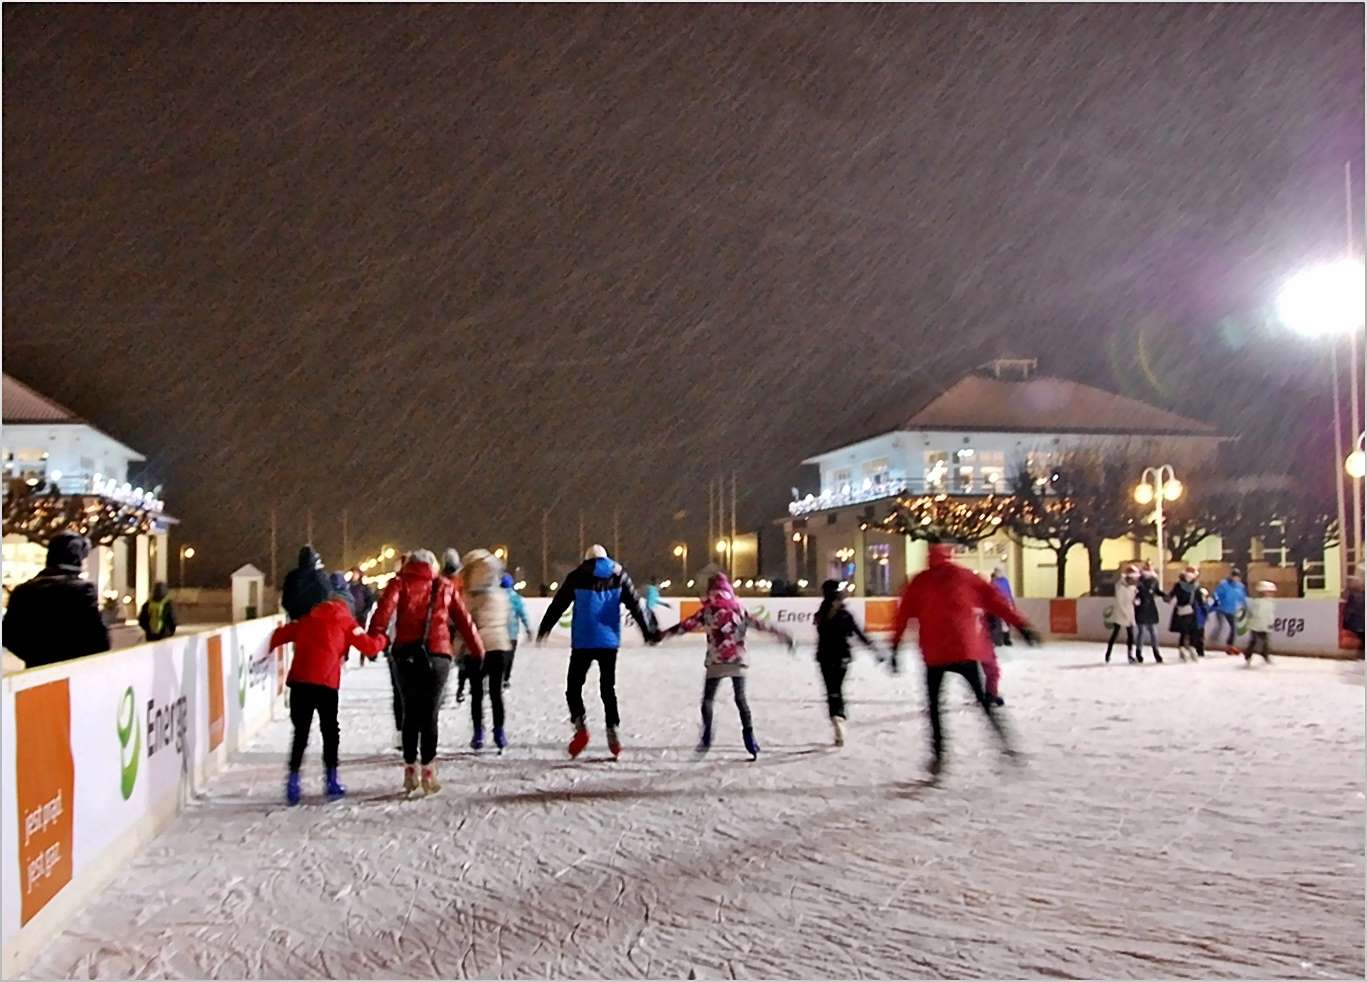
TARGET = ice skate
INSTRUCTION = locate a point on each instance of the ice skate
(293, 792)
(332, 785)
(477, 740)
(751, 744)
(838, 724)
(500, 738)
(935, 766)
(614, 744)
(398, 739)
(579, 741)
(430, 784)
(1158, 659)
(1182, 654)
(704, 741)
(997, 701)
(410, 778)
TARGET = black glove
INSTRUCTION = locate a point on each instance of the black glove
(1031, 637)
(893, 665)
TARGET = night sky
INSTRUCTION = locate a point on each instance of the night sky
(445, 266)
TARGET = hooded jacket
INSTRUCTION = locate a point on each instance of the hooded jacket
(321, 640)
(1122, 611)
(406, 600)
(1230, 595)
(481, 574)
(305, 586)
(598, 588)
(946, 600)
(158, 616)
(726, 622)
(56, 615)
(517, 609)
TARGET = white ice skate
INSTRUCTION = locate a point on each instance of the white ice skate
(838, 723)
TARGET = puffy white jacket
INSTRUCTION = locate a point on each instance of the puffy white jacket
(486, 599)
(1123, 611)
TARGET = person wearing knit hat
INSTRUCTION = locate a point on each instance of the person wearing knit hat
(56, 615)
(1262, 611)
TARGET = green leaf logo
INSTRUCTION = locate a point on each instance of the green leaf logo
(128, 729)
(241, 676)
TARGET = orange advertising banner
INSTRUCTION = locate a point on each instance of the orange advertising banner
(1063, 616)
(45, 780)
(879, 614)
(215, 649)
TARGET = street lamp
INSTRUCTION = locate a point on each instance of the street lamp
(1156, 485)
(681, 551)
(186, 552)
(1356, 462)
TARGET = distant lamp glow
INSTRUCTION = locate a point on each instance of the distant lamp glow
(1143, 493)
(389, 552)
(1356, 464)
(1172, 489)
(1324, 301)
(189, 552)
(678, 550)
(797, 536)
(802, 584)
(500, 553)
(721, 545)
(554, 585)
(689, 584)
(54, 475)
(666, 584)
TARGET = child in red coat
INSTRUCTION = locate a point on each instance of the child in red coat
(321, 639)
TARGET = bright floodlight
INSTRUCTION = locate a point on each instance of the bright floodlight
(1324, 301)
(1356, 464)
(1143, 493)
(1172, 489)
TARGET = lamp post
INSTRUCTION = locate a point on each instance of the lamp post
(186, 552)
(681, 551)
(1327, 302)
(1156, 485)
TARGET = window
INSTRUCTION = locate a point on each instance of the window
(992, 467)
(937, 469)
(875, 473)
(964, 469)
(840, 481)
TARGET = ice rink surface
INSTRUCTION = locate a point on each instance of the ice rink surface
(1170, 821)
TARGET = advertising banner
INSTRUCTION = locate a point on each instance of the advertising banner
(44, 778)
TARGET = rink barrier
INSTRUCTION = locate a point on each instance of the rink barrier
(101, 753)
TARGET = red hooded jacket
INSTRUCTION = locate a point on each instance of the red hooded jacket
(409, 595)
(946, 599)
(321, 639)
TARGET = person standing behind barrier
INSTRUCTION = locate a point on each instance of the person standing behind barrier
(518, 618)
(1230, 597)
(1122, 612)
(158, 615)
(598, 588)
(424, 608)
(481, 580)
(1147, 595)
(305, 586)
(56, 615)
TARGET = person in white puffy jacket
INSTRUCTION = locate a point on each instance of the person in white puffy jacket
(486, 600)
(1122, 612)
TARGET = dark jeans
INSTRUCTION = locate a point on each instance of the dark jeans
(305, 699)
(1257, 644)
(580, 660)
(1129, 640)
(423, 682)
(1152, 631)
(397, 689)
(972, 675)
(833, 674)
(1221, 618)
(492, 669)
(709, 692)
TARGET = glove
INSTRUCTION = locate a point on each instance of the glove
(1031, 637)
(893, 665)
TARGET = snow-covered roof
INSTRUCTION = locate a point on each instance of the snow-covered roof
(24, 405)
(1041, 404)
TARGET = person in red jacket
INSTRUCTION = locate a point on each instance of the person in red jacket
(947, 600)
(423, 607)
(321, 639)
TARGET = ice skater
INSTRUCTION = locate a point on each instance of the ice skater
(1147, 595)
(519, 623)
(726, 622)
(1001, 634)
(598, 588)
(1231, 597)
(946, 600)
(1122, 612)
(653, 600)
(481, 579)
(835, 626)
(1186, 597)
(1262, 612)
(322, 638)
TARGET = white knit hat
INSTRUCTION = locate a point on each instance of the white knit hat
(596, 552)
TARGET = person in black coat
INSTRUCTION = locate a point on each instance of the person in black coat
(56, 615)
(834, 627)
(1147, 595)
(306, 586)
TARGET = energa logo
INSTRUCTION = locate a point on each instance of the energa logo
(241, 675)
(128, 730)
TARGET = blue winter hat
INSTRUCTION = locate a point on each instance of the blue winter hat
(506, 581)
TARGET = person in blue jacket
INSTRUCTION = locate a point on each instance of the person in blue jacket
(598, 588)
(1230, 598)
(520, 624)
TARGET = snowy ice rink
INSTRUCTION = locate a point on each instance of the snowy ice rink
(1173, 821)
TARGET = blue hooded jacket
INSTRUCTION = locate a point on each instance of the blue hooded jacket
(518, 607)
(598, 588)
(1230, 595)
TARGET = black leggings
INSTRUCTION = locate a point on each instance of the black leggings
(423, 681)
(508, 664)
(397, 690)
(1129, 640)
(1257, 644)
(580, 660)
(833, 674)
(305, 699)
(709, 692)
(492, 669)
(970, 671)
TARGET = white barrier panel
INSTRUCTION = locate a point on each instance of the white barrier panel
(101, 752)
(1301, 626)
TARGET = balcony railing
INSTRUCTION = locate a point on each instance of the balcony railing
(877, 491)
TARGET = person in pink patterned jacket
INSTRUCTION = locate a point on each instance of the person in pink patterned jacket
(726, 622)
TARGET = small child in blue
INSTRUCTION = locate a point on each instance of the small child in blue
(519, 617)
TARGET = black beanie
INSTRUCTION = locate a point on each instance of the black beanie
(68, 551)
